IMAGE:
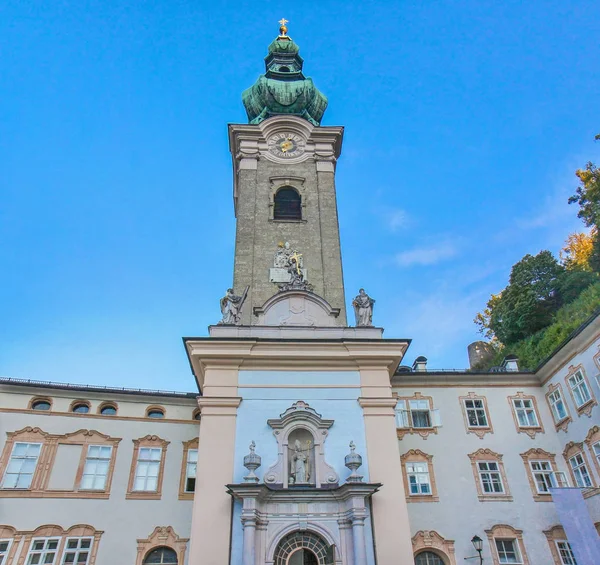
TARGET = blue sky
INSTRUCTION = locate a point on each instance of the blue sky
(464, 124)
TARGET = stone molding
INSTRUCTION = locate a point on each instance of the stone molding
(554, 534)
(46, 460)
(297, 308)
(430, 540)
(486, 454)
(300, 416)
(564, 423)
(34, 399)
(52, 530)
(147, 441)
(479, 431)
(418, 456)
(162, 536)
(538, 454)
(589, 405)
(593, 436)
(531, 431)
(504, 531)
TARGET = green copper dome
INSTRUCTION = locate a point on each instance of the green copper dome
(283, 89)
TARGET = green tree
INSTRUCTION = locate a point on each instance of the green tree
(529, 301)
(482, 319)
(587, 195)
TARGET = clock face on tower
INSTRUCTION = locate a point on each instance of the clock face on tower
(286, 145)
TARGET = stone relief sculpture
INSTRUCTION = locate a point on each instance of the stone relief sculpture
(231, 307)
(287, 263)
(363, 308)
(300, 464)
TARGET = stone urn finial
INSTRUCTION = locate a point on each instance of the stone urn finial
(353, 461)
(252, 462)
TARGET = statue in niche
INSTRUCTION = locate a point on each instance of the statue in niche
(231, 307)
(363, 308)
(300, 464)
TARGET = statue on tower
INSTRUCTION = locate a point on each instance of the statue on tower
(363, 308)
(231, 307)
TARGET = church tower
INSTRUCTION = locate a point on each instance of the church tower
(294, 401)
(284, 186)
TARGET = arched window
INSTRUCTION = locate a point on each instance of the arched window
(155, 412)
(288, 205)
(42, 404)
(161, 555)
(80, 407)
(303, 548)
(108, 409)
(428, 558)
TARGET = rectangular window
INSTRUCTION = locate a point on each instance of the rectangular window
(596, 450)
(542, 475)
(566, 553)
(526, 414)
(190, 470)
(581, 393)
(77, 551)
(418, 478)
(147, 469)
(43, 551)
(4, 549)
(476, 415)
(419, 413)
(22, 464)
(508, 552)
(491, 479)
(557, 405)
(580, 471)
(96, 467)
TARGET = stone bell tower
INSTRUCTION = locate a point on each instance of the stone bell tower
(284, 186)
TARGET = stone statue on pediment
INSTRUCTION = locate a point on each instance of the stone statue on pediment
(363, 308)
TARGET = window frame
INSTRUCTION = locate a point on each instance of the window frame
(530, 430)
(588, 405)
(108, 404)
(536, 455)
(76, 551)
(77, 403)
(562, 423)
(490, 473)
(486, 455)
(416, 456)
(572, 451)
(24, 458)
(152, 442)
(35, 399)
(515, 550)
(504, 532)
(188, 446)
(44, 551)
(572, 560)
(592, 440)
(478, 430)
(288, 188)
(109, 467)
(7, 554)
(405, 420)
(579, 469)
(161, 537)
(156, 408)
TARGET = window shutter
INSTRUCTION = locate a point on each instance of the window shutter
(436, 420)
(402, 418)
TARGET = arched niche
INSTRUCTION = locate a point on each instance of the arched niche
(301, 423)
(297, 308)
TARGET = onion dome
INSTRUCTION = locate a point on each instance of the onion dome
(283, 89)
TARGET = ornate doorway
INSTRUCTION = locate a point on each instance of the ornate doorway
(303, 548)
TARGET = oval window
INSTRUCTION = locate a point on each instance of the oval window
(81, 408)
(41, 405)
(156, 413)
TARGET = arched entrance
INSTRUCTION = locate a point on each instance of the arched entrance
(303, 548)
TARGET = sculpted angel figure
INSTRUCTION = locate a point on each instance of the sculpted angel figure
(363, 308)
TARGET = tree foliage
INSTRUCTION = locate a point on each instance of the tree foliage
(576, 254)
(538, 286)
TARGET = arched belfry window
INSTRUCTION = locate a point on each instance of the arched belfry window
(164, 555)
(288, 204)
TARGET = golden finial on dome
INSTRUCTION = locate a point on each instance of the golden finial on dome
(283, 28)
